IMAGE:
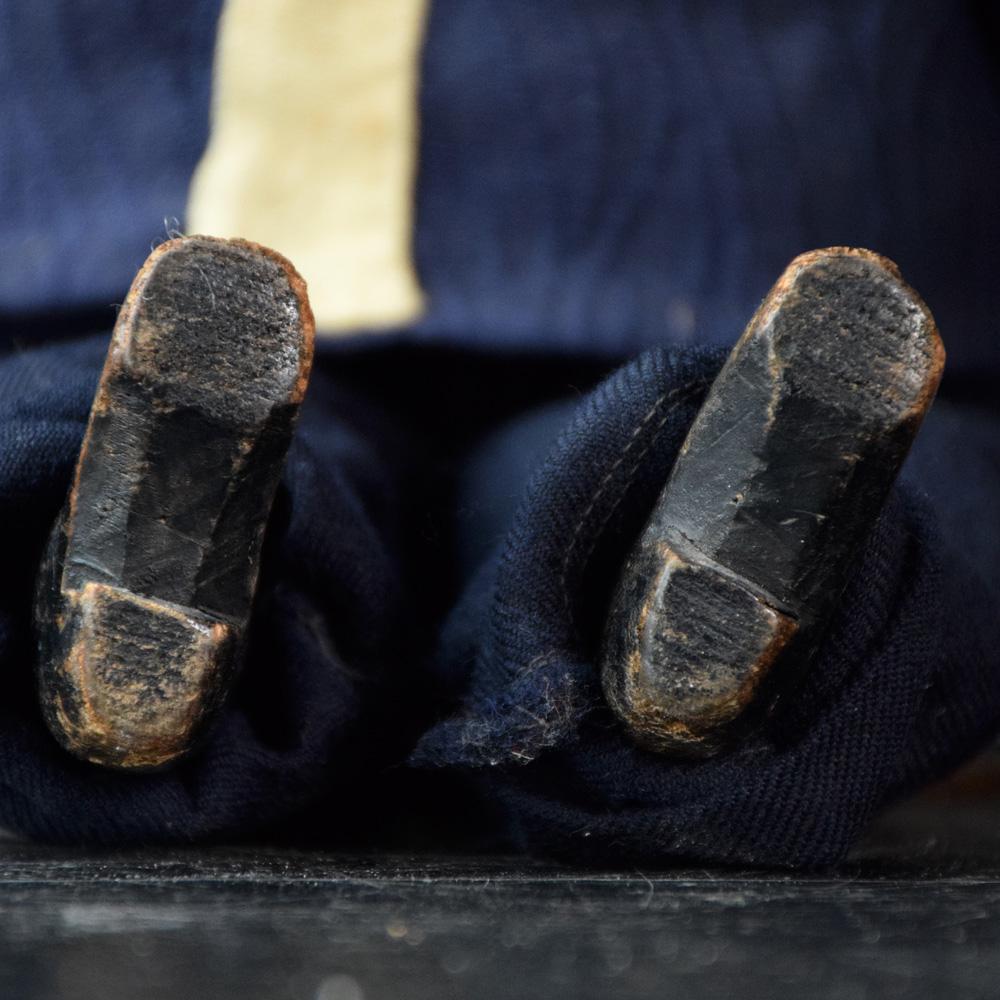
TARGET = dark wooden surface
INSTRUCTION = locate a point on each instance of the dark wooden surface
(916, 913)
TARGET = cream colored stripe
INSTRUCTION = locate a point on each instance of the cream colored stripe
(313, 148)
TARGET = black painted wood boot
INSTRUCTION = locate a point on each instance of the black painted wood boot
(144, 593)
(782, 475)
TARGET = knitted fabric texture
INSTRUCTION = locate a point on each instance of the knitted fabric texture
(904, 686)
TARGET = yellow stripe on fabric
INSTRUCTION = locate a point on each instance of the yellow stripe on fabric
(313, 148)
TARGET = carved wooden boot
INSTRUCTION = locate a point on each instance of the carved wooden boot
(780, 479)
(145, 590)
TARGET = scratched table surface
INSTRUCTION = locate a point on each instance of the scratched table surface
(914, 913)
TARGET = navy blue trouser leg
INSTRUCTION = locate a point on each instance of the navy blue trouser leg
(322, 701)
(904, 688)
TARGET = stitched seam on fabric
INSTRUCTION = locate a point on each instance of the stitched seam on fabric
(674, 396)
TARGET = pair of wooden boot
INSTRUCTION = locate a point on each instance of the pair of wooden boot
(145, 591)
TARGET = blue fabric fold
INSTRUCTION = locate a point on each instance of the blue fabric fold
(317, 708)
(904, 687)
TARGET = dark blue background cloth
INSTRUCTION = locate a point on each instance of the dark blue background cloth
(620, 174)
(593, 175)
(104, 110)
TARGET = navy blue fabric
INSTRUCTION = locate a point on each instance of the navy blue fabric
(906, 684)
(618, 174)
(358, 569)
(104, 105)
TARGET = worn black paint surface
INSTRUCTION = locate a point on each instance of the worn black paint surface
(916, 913)
(774, 491)
(145, 590)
